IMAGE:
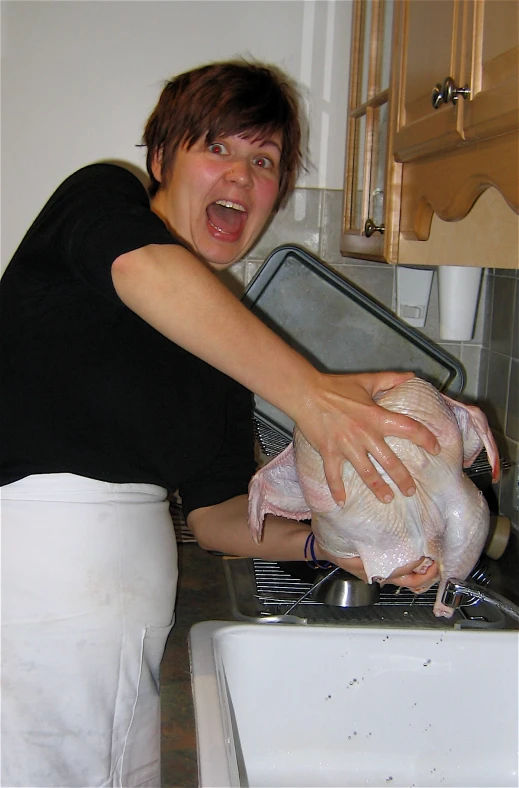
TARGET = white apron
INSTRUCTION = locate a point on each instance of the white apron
(89, 574)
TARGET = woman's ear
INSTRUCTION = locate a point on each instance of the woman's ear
(156, 165)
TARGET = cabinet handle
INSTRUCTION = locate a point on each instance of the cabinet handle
(370, 227)
(442, 94)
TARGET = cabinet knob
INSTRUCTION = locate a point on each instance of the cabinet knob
(436, 96)
(448, 91)
(370, 227)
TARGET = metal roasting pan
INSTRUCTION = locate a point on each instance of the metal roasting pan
(338, 327)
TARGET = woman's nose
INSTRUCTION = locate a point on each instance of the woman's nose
(240, 172)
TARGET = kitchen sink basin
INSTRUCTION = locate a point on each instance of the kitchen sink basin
(354, 706)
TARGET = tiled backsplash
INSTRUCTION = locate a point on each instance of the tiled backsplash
(312, 220)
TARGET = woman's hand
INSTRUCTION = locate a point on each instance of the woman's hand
(340, 419)
(418, 576)
(415, 577)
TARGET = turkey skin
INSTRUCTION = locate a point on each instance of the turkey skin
(446, 520)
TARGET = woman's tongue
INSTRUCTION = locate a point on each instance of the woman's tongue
(227, 220)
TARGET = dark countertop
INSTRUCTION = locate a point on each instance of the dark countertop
(202, 596)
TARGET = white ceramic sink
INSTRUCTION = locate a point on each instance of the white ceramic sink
(350, 706)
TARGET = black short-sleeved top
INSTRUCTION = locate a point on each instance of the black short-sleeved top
(88, 387)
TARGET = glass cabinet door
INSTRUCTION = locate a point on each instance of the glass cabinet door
(366, 172)
(378, 165)
(355, 207)
(386, 45)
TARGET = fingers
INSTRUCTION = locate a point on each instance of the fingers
(419, 567)
(416, 581)
(333, 473)
(393, 467)
(418, 576)
(398, 426)
(406, 427)
(370, 474)
(383, 381)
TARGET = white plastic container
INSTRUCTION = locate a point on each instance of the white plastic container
(458, 288)
(413, 290)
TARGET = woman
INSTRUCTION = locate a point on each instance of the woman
(127, 371)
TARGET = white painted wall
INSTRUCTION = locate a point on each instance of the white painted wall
(80, 78)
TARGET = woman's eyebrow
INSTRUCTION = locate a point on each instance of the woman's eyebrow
(262, 143)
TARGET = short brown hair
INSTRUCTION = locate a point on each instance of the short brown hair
(236, 97)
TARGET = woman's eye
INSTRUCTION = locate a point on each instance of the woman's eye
(217, 147)
(264, 162)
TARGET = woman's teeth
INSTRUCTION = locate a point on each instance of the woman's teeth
(226, 216)
(228, 204)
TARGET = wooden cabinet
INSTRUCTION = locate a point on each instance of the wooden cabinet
(409, 158)
(372, 176)
(470, 46)
(469, 142)
(430, 50)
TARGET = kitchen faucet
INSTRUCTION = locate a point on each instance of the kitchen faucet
(458, 592)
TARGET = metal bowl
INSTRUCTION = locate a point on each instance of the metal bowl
(345, 590)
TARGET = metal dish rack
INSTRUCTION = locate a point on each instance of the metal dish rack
(262, 591)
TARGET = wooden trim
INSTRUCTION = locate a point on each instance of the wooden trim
(349, 173)
(475, 73)
(493, 114)
(487, 237)
(455, 180)
(494, 109)
(359, 20)
(377, 45)
(399, 65)
(501, 68)
(376, 101)
(357, 245)
(393, 184)
(373, 45)
(410, 145)
(368, 164)
(354, 88)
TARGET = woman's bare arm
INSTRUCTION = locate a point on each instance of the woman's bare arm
(223, 528)
(180, 297)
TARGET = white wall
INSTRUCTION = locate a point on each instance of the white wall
(80, 78)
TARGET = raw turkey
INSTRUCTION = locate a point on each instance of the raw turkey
(446, 520)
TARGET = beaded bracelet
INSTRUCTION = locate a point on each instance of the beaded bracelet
(313, 561)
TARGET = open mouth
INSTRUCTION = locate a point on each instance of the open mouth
(226, 217)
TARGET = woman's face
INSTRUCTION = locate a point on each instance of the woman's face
(220, 195)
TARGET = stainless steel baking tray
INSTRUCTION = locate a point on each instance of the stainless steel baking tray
(338, 327)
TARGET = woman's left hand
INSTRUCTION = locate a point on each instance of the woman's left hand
(404, 577)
